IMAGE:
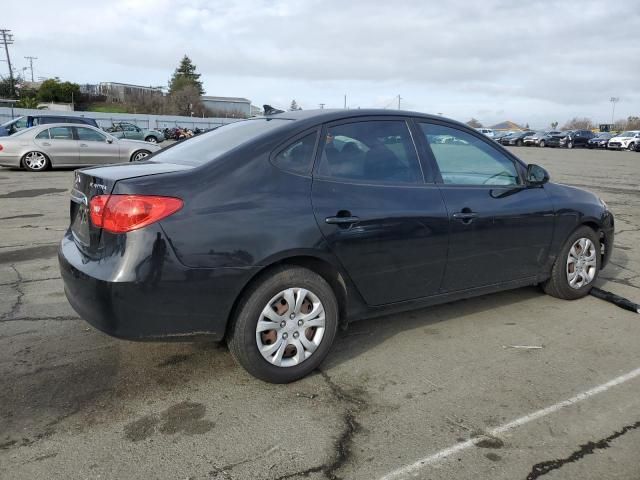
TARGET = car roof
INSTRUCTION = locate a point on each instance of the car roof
(328, 115)
(310, 118)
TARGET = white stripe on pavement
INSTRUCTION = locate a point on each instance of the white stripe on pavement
(414, 468)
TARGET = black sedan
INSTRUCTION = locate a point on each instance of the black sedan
(271, 232)
(516, 139)
(600, 141)
(570, 139)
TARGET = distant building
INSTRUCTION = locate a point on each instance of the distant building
(256, 111)
(227, 106)
(121, 92)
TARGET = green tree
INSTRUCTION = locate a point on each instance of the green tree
(53, 90)
(294, 106)
(554, 125)
(184, 76)
(473, 123)
(5, 86)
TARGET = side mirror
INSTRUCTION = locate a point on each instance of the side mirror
(536, 175)
(109, 140)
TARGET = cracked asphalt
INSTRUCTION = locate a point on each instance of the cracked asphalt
(76, 404)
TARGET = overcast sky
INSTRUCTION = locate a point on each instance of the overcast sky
(530, 62)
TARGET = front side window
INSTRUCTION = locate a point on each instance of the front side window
(61, 133)
(88, 135)
(298, 156)
(464, 159)
(380, 151)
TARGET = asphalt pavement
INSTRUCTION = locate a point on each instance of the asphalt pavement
(515, 385)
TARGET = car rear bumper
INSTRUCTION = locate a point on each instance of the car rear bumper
(9, 161)
(129, 295)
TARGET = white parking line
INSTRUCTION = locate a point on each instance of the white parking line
(413, 469)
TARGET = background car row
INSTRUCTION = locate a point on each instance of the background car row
(629, 140)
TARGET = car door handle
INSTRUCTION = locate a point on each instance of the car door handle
(465, 217)
(84, 145)
(342, 220)
(46, 144)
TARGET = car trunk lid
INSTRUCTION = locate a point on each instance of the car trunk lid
(90, 182)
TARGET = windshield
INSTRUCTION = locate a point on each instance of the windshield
(209, 146)
(628, 134)
(11, 122)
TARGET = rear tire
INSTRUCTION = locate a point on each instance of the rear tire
(35, 161)
(584, 270)
(271, 354)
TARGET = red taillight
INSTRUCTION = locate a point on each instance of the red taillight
(123, 213)
(1, 147)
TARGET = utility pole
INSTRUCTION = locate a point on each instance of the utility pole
(613, 101)
(399, 97)
(321, 105)
(31, 59)
(7, 39)
(345, 101)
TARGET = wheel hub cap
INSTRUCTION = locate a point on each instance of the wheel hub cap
(291, 327)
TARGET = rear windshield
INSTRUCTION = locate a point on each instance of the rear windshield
(209, 146)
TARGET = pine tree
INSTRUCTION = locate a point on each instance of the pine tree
(185, 75)
(294, 106)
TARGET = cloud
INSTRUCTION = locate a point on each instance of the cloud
(531, 59)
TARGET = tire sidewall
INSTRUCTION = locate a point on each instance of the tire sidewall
(563, 284)
(133, 156)
(243, 336)
(28, 168)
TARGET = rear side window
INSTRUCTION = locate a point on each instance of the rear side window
(464, 159)
(209, 146)
(297, 157)
(43, 135)
(380, 151)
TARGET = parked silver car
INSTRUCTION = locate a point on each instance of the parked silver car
(68, 145)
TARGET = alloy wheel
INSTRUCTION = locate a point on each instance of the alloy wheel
(291, 327)
(35, 161)
(581, 263)
(140, 156)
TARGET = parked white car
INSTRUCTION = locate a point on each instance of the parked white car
(486, 131)
(625, 140)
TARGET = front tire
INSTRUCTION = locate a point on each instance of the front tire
(139, 155)
(151, 139)
(542, 144)
(284, 325)
(576, 267)
(569, 144)
(35, 161)
(519, 143)
(631, 147)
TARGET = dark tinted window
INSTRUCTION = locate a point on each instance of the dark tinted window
(298, 156)
(376, 151)
(464, 159)
(209, 146)
(88, 135)
(61, 133)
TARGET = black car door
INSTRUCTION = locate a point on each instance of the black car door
(385, 224)
(500, 230)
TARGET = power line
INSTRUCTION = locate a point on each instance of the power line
(7, 39)
(31, 59)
